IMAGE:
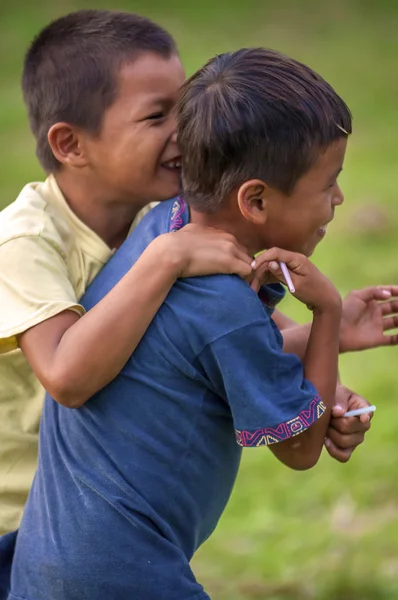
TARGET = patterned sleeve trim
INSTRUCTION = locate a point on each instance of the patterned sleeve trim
(284, 431)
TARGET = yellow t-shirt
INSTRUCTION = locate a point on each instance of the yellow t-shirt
(48, 257)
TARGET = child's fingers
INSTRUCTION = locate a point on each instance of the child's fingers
(390, 340)
(261, 266)
(391, 289)
(267, 273)
(264, 279)
(389, 308)
(242, 263)
(240, 267)
(342, 455)
(292, 259)
(276, 270)
(390, 323)
(349, 425)
(365, 418)
(241, 254)
(380, 292)
(346, 440)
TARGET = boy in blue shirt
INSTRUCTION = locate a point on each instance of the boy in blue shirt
(131, 484)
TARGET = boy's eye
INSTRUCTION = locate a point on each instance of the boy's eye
(156, 116)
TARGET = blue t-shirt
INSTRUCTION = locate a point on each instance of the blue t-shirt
(132, 483)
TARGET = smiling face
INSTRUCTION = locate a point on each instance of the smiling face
(135, 158)
(298, 221)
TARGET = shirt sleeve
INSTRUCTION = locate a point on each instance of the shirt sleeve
(34, 286)
(269, 397)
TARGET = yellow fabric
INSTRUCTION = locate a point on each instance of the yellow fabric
(47, 259)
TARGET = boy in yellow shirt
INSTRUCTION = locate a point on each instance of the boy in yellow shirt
(100, 88)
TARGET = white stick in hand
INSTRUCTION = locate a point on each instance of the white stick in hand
(359, 411)
(287, 277)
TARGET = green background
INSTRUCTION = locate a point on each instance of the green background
(330, 533)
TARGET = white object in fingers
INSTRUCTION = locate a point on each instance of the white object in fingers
(287, 277)
(360, 411)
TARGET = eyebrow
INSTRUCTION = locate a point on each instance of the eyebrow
(336, 174)
(163, 100)
(153, 104)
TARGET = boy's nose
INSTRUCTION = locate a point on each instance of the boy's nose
(338, 197)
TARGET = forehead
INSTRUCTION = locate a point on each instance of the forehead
(150, 78)
(330, 160)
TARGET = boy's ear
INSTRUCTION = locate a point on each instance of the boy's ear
(66, 143)
(252, 201)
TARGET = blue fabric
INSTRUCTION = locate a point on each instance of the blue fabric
(7, 547)
(130, 485)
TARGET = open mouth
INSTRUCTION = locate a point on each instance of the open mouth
(322, 230)
(173, 165)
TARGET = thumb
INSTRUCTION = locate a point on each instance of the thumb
(276, 270)
(341, 401)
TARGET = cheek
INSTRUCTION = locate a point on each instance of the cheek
(145, 150)
(130, 156)
(322, 209)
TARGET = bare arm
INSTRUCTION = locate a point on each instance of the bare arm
(320, 367)
(284, 322)
(75, 357)
(319, 355)
(295, 337)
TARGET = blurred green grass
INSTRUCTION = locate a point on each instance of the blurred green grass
(331, 533)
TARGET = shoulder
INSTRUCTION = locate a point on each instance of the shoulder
(153, 220)
(144, 211)
(217, 305)
(154, 223)
(25, 215)
(28, 217)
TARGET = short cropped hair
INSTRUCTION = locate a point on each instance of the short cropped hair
(250, 114)
(70, 70)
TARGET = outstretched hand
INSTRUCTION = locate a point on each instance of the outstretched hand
(367, 315)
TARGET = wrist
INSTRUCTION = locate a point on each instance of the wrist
(332, 308)
(344, 344)
(168, 254)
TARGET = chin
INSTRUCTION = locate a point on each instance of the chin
(167, 192)
(169, 186)
(309, 251)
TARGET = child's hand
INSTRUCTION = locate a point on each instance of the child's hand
(207, 251)
(346, 433)
(367, 314)
(261, 274)
(312, 287)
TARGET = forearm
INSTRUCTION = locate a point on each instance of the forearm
(321, 357)
(321, 368)
(284, 322)
(91, 352)
(295, 337)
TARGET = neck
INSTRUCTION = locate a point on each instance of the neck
(109, 219)
(232, 223)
